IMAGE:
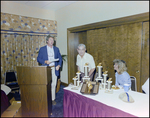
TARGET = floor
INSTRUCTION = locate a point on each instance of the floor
(57, 110)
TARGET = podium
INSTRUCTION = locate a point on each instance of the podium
(35, 87)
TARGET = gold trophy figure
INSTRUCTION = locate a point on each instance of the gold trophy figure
(78, 71)
(99, 64)
(86, 64)
(109, 79)
(105, 72)
(90, 86)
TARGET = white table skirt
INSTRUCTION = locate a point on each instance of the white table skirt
(5, 88)
(139, 108)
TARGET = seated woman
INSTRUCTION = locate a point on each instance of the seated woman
(121, 75)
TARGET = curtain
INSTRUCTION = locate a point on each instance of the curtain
(19, 50)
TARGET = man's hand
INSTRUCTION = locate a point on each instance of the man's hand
(57, 67)
(47, 62)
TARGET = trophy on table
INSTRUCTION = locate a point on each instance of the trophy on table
(88, 87)
(109, 90)
(76, 80)
(78, 76)
(86, 77)
(99, 66)
(104, 84)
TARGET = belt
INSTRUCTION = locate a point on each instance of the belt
(51, 66)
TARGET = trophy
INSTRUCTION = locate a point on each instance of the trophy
(99, 66)
(78, 75)
(109, 90)
(104, 84)
(75, 78)
(90, 86)
(86, 77)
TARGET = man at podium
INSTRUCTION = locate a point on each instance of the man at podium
(49, 55)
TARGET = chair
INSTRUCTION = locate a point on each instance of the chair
(145, 87)
(11, 81)
(133, 83)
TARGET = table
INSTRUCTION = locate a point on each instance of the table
(76, 104)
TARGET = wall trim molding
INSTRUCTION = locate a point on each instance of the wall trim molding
(25, 33)
(64, 84)
(109, 23)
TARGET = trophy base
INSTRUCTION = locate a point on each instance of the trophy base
(75, 88)
(86, 78)
(97, 79)
(110, 91)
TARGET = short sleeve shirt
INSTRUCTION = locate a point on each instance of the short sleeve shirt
(87, 58)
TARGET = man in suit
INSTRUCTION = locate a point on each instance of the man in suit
(49, 55)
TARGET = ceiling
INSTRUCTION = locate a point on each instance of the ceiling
(49, 5)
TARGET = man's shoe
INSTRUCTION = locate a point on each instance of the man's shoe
(53, 102)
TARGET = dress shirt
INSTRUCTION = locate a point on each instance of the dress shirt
(50, 53)
(87, 58)
(122, 79)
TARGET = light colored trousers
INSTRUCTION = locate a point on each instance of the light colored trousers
(53, 84)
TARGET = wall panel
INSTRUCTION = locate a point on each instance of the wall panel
(134, 36)
(111, 51)
(145, 53)
(117, 43)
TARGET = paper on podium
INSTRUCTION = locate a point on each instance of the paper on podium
(54, 60)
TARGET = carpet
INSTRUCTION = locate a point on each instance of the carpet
(57, 110)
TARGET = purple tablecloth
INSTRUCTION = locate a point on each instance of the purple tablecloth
(75, 105)
(4, 102)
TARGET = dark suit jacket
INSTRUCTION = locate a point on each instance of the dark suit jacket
(42, 56)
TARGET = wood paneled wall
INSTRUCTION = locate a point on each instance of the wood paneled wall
(145, 53)
(129, 42)
(119, 42)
